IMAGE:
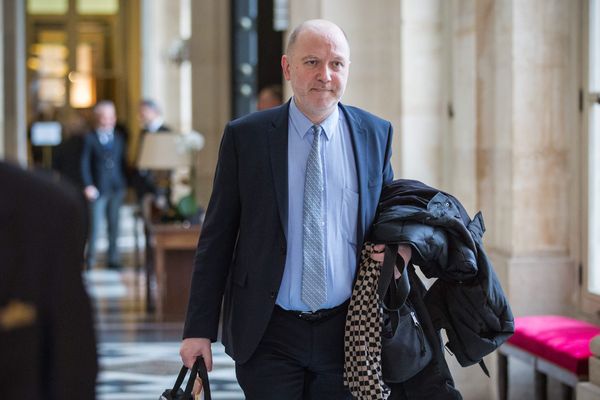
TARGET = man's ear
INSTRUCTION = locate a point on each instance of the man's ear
(285, 67)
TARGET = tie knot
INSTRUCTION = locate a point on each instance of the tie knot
(317, 129)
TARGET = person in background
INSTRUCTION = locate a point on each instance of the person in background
(66, 158)
(269, 97)
(295, 192)
(103, 173)
(151, 117)
(47, 341)
(143, 181)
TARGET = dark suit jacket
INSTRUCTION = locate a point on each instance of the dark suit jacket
(47, 342)
(242, 248)
(104, 167)
(66, 160)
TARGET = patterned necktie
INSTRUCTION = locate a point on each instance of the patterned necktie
(314, 289)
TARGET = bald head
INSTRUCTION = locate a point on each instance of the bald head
(320, 26)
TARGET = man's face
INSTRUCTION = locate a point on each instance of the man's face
(266, 99)
(106, 117)
(317, 68)
(147, 114)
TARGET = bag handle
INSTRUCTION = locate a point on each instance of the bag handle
(203, 374)
(401, 287)
(198, 369)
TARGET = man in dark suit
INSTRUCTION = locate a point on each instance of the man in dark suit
(103, 173)
(295, 192)
(47, 338)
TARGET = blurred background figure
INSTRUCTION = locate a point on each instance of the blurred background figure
(269, 96)
(47, 339)
(151, 117)
(103, 173)
(66, 158)
(144, 181)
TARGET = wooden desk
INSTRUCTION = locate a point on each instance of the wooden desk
(173, 247)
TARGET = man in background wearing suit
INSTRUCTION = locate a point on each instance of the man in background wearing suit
(295, 192)
(103, 173)
(47, 337)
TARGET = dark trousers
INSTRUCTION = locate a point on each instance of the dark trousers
(297, 360)
(434, 382)
(106, 207)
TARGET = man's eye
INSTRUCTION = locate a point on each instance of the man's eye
(311, 62)
(338, 64)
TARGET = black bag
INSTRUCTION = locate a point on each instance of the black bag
(405, 350)
(199, 369)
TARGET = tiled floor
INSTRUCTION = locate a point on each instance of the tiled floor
(138, 357)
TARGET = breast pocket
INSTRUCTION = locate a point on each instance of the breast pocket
(349, 215)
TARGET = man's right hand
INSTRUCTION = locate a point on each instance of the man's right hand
(91, 192)
(194, 347)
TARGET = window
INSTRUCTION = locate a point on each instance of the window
(48, 7)
(591, 157)
(97, 6)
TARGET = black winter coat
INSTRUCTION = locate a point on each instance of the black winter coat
(467, 300)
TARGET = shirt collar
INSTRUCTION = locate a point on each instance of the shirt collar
(154, 125)
(303, 125)
(103, 132)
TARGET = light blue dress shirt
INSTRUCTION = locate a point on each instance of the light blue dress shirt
(341, 208)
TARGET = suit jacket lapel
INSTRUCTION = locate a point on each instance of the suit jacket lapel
(359, 144)
(278, 151)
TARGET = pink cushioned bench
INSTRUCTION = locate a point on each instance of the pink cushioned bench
(555, 346)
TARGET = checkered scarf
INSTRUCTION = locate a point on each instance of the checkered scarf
(362, 338)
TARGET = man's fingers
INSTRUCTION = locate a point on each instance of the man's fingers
(377, 257)
(377, 252)
(208, 359)
(379, 248)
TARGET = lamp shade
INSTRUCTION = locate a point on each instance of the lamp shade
(163, 151)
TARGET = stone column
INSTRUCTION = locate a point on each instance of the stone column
(14, 127)
(423, 93)
(527, 110)
(211, 101)
(459, 142)
(160, 74)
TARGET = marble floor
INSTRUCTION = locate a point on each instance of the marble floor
(139, 358)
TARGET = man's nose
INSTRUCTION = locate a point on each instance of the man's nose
(325, 73)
